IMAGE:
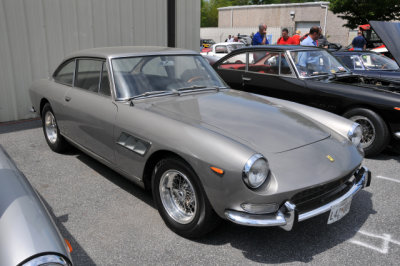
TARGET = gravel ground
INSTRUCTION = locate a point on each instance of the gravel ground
(110, 221)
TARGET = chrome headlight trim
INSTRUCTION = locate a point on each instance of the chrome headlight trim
(47, 259)
(247, 169)
(355, 134)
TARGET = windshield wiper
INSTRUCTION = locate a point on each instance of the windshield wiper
(319, 73)
(150, 93)
(199, 88)
(191, 88)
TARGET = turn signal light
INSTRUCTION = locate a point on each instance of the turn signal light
(397, 108)
(217, 170)
(68, 245)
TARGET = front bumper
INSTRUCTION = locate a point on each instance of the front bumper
(287, 215)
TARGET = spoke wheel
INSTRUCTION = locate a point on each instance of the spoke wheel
(368, 130)
(178, 196)
(51, 131)
(50, 127)
(181, 200)
(375, 133)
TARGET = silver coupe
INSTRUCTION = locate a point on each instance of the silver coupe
(164, 119)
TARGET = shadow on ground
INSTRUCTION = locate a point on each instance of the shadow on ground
(267, 245)
(307, 239)
(78, 254)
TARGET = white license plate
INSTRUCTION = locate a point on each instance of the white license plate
(339, 211)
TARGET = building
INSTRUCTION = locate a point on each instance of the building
(36, 35)
(297, 16)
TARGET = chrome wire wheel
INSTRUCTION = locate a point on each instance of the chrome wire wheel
(50, 126)
(178, 196)
(368, 130)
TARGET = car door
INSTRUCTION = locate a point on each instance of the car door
(232, 70)
(270, 74)
(90, 110)
(63, 79)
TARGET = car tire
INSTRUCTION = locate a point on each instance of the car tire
(375, 131)
(51, 131)
(181, 199)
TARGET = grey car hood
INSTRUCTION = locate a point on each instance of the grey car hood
(244, 117)
(389, 32)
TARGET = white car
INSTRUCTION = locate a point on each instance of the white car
(223, 48)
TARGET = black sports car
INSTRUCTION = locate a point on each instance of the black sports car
(313, 76)
(370, 64)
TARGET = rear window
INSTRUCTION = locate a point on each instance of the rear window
(65, 73)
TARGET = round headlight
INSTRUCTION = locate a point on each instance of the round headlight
(355, 134)
(48, 260)
(255, 171)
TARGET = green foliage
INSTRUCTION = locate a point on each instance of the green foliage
(209, 9)
(359, 12)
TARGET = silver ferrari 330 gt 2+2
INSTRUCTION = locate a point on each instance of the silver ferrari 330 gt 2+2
(163, 118)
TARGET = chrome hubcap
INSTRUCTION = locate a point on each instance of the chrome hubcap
(368, 130)
(50, 126)
(178, 196)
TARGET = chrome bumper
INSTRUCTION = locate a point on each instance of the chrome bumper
(287, 214)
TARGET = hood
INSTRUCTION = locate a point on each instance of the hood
(389, 32)
(244, 117)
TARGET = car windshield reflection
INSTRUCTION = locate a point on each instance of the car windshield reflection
(378, 62)
(141, 76)
(314, 63)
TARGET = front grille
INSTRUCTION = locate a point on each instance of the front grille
(317, 196)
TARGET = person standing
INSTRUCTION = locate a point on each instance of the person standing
(285, 39)
(260, 38)
(359, 43)
(296, 38)
(312, 37)
(322, 41)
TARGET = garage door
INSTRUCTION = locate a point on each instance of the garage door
(304, 26)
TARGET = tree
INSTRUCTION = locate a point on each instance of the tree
(359, 12)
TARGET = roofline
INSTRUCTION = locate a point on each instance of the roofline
(274, 5)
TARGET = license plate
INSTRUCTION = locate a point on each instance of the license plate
(339, 211)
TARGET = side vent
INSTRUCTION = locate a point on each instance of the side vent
(134, 144)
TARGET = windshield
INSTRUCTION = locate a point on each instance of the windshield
(316, 62)
(162, 73)
(378, 62)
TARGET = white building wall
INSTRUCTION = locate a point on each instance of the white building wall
(35, 35)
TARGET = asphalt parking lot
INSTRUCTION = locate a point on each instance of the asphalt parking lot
(110, 221)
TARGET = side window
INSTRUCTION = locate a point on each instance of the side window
(237, 62)
(105, 82)
(285, 68)
(88, 74)
(65, 74)
(266, 63)
(156, 67)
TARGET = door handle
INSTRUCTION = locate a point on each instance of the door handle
(246, 79)
(67, 99)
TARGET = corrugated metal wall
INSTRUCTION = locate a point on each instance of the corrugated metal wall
(188, 24)
(36, 34)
